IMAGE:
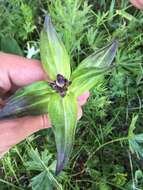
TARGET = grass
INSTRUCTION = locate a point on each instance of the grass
(108, 149)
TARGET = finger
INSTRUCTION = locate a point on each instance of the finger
(83, 98)
(14, 131)
(79, 115)
(18, 71)
(137, 3)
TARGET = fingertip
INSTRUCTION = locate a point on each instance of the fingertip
(83, 98)
(35, 122)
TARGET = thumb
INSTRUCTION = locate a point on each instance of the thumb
(14, 131)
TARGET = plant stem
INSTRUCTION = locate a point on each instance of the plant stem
(110, 142)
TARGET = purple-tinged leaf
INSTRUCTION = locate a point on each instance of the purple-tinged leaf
(29, 100)
(63, 115)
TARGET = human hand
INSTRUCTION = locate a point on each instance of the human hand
(137, 3)
(16, 72)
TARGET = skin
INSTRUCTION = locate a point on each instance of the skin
(137, 3)
(15, 72)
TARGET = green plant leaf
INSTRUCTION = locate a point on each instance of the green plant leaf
(9, 45)
(54, 56)
(86, 79)
(63, 115)
(135, 140)
(29, 100)
(44, 163)
(92, 69)
(99, 59)
(42, 182)
(132, 126)
(38, 161)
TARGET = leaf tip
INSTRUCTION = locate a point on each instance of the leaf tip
(112, 51)
(115, 45)
(60, 163)
(59, 168)
(47, 22)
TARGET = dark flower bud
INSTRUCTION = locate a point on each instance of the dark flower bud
(60, 80)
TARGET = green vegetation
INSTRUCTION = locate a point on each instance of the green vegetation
(108, 151)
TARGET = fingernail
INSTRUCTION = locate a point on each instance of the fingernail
(46, 122)
(79, 113)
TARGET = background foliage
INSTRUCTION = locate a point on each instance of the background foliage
(108, 151)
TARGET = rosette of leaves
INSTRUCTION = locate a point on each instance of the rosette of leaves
(58, 96)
